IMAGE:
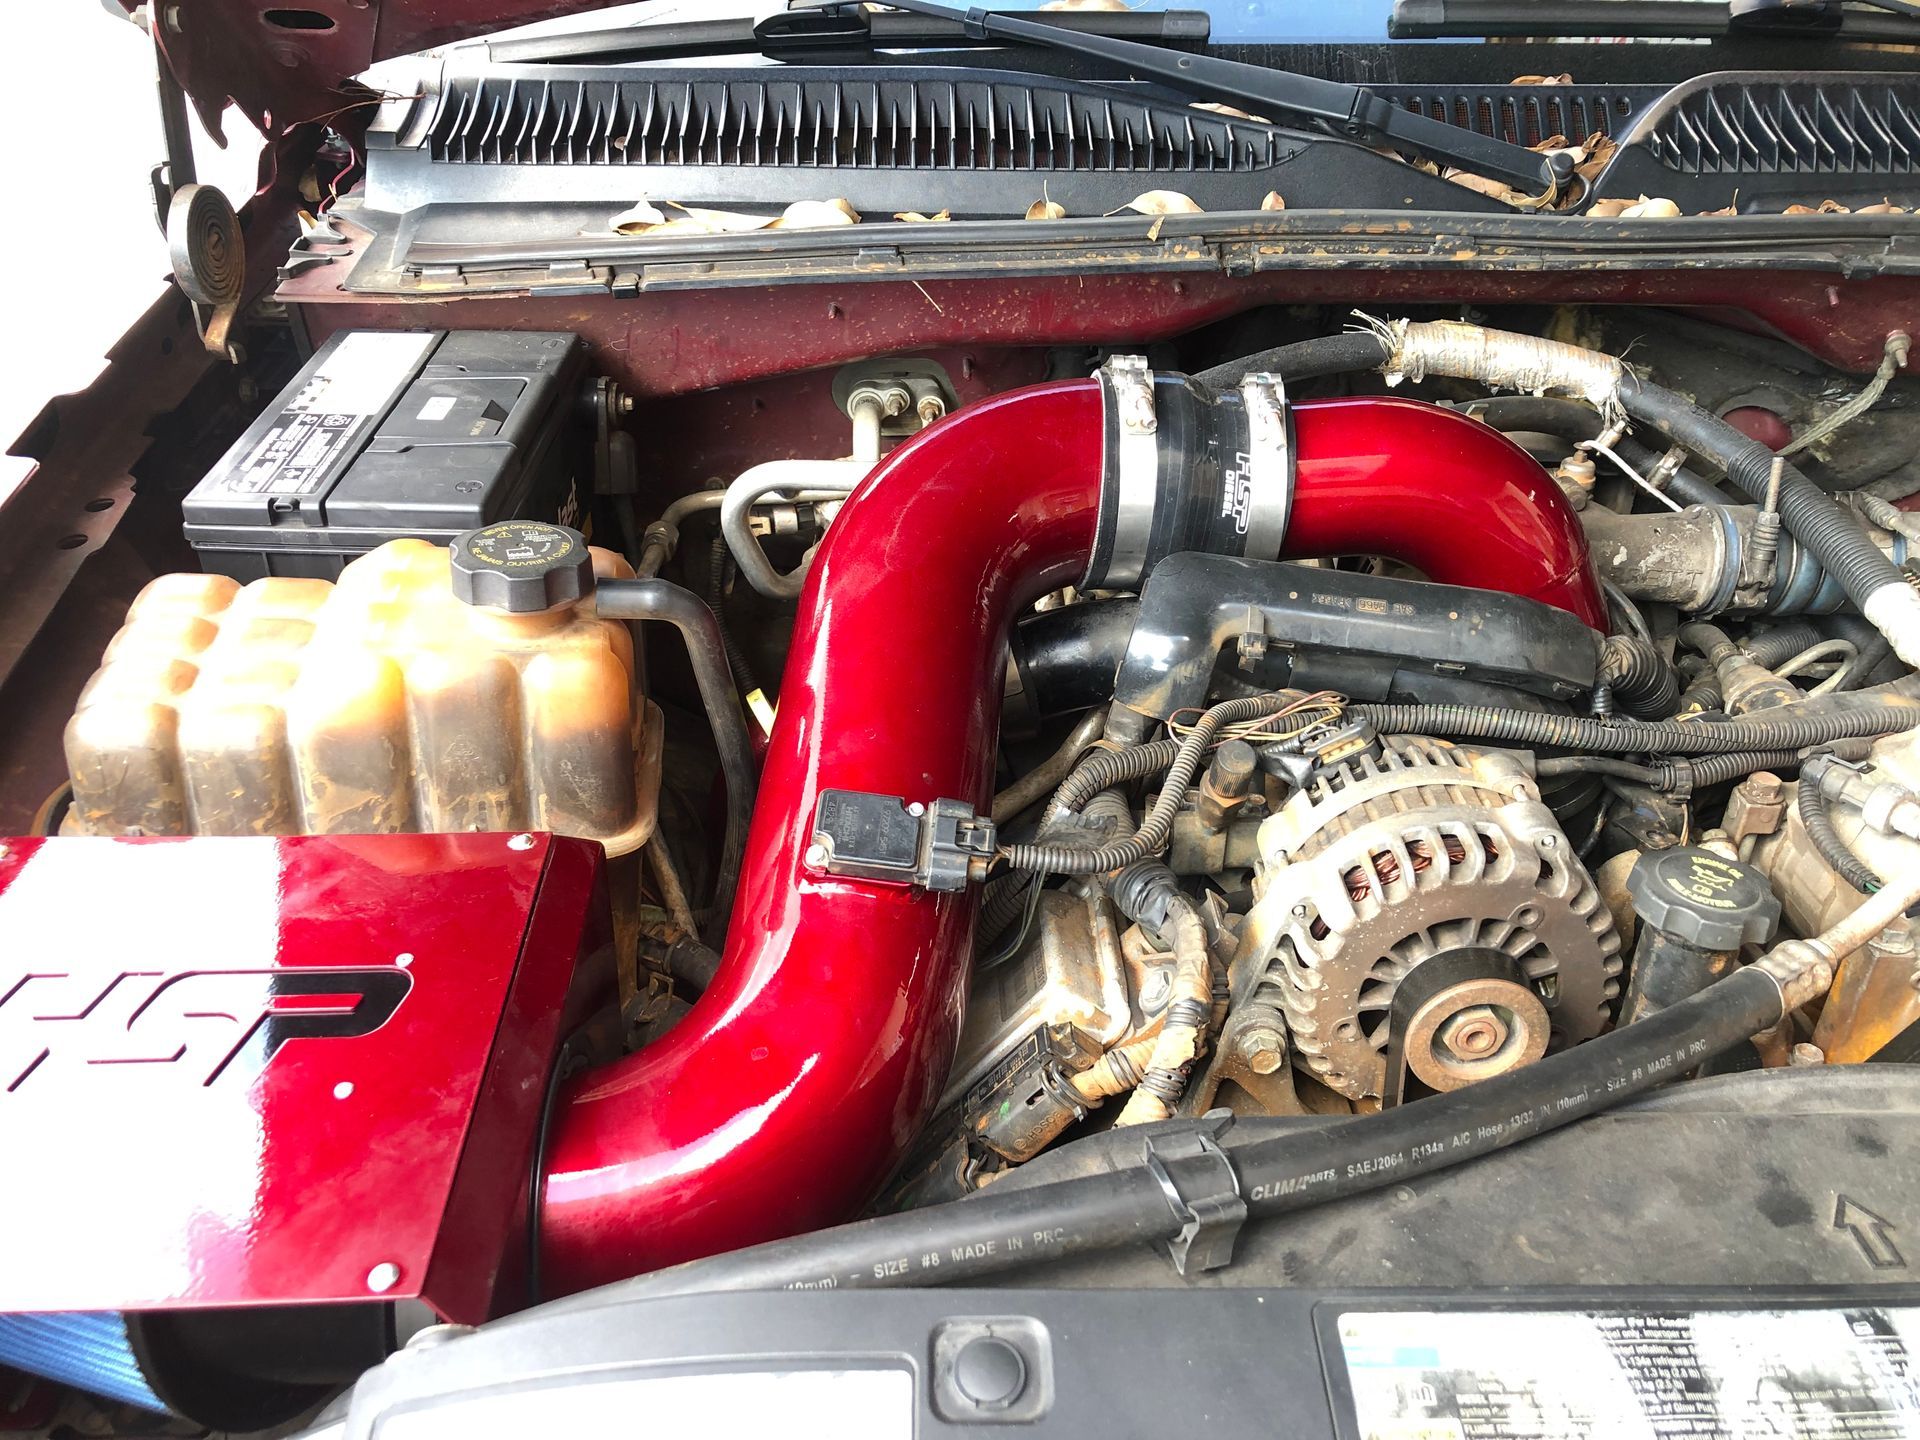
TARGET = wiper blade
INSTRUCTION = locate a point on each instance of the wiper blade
(1350, 110)
(1650, 19)
(824, 34)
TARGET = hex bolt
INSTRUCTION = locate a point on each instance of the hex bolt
(931, 408)
(383, 1277)
(1762, 788)
(1263, 1048)
(1806, 1054)
(1473, 1033)
(817, 856)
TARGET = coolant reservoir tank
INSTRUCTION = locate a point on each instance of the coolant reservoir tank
(383, 702)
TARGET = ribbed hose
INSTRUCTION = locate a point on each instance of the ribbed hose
(1642, 681)
(1718, 769)
(1812, 805)
(1812, 516)
(1106, 768)
(1625, 737)
(1158, 826)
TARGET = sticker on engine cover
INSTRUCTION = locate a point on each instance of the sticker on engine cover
(339, 403)
(1645, 1375)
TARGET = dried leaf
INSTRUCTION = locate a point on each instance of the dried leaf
(1641, 209)
(1723, 210)
(1883, 208)
(1274, 201)
(1046, 210)
(1160, 202)
(642, 217)
(914, 217)
(1543, 79)
(1084, 5)
(1214, 107)
(1483, 184)
(816, 215)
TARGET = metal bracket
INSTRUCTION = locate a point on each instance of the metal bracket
(1210, 1217)
(942, 846)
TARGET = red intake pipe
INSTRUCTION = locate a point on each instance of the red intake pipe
(783, 1100)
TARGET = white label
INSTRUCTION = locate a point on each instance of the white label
(1664, 1375)
(326, 420)
(438, 408)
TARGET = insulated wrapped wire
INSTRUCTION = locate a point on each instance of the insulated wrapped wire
(1155, 831)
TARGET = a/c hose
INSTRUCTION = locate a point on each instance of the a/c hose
(1002, 1228)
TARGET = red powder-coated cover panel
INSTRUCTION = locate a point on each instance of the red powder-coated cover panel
(246, 1071)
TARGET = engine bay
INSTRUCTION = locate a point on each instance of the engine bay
(1389, 736)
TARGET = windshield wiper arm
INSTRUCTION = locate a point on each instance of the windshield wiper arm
(807, 34)
(1351, 110)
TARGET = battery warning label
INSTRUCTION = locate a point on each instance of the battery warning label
(1597, 1375)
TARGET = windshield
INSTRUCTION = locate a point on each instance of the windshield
(1234, 21)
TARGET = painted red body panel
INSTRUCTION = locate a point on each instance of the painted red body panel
(677, 341)
(181, 1159)
(783, 1099)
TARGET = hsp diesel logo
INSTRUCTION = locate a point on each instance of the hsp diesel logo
(196, 1027)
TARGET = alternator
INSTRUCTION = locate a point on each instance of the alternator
(1428, 851)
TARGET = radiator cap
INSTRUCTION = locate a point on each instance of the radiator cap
(522, 566)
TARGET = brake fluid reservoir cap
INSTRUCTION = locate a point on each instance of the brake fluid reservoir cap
(522, 566)
(1699, 898)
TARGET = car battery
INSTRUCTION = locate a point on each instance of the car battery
(392, 434)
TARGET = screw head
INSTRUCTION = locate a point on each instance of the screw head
(520, 842)
(383, 1277)
(817, 855)
(1806, 1054)
(1762, 787)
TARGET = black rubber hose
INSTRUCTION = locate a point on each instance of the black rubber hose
(1876, 657)
(1642, 681)
(1575, 421)
(1303, 360)
(719, 558)
(1155, 830)
(1659, 775)
(1813, 517)
(1012, 1225)
(1671, 775)
(657, 599)
(1787, 729)
(1812, 805)
(1773, 648)
(1066, 657)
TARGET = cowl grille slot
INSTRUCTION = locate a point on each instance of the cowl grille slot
(1815, 128)
(894, 125)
